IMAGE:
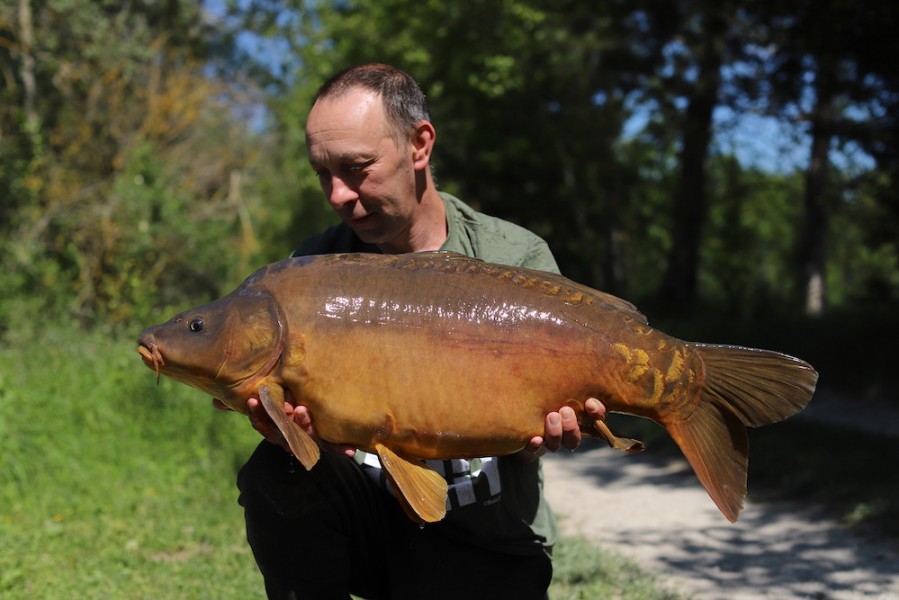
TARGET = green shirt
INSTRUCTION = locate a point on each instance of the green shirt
(494, 502)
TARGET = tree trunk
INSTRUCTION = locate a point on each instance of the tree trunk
(678, 289)
(814, 234)
(29, 83)
(579, 211)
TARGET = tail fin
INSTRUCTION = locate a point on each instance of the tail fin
(743, 387)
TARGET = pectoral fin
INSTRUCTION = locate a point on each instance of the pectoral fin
(420, 490)
(301, 444)
(619, 443)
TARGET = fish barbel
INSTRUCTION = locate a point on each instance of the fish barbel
(436, 355)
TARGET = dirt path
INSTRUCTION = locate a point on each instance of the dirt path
(654, 511)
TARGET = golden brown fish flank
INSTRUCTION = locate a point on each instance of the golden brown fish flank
(436, 355)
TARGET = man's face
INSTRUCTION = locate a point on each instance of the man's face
(366, 178)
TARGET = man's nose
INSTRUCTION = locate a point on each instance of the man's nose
(339, 193)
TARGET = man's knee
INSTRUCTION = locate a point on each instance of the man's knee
(310, 530)
(273, 481)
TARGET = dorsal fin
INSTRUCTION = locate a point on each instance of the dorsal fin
(462, 262)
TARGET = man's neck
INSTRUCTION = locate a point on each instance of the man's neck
(428, 231)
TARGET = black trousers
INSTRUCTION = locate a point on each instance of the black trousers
(333, 531)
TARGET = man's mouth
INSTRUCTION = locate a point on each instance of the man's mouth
(361, 219)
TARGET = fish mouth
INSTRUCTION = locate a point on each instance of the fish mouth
(149, 351)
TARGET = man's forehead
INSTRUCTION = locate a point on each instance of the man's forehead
(363, 113)
(345, 142)
(320, 154)
(357, 106)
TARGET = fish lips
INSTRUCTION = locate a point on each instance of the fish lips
(149, 352)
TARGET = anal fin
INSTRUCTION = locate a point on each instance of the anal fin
(301, 444)
(420, 490)
(619, 443)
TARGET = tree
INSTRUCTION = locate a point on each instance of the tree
(828, 68)
(115, 146)
(532, 100)
(690, 206)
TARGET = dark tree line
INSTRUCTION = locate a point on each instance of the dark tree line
(148, 146)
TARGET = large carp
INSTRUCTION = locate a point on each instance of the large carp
(436, 355)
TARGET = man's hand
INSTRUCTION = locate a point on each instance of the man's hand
(561, 429)
(262, 423)
(302, 418)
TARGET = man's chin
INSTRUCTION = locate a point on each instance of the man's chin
(369, 230)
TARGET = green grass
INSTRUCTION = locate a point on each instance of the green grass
(583, 572)
(114, 487)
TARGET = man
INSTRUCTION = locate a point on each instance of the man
(337, 529)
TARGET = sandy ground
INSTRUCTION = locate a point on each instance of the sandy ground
(654, 511)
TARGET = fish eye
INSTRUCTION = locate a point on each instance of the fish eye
(196, 325)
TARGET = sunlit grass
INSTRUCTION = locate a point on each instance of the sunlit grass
(584, 572)
(112, 487)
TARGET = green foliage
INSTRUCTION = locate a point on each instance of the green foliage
(135, 181)
(175, 246)
(864, 265)
(121, 160)
(750, 231)
(146, 245)
(290, 205)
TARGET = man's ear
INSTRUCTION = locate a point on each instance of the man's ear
(422, 144)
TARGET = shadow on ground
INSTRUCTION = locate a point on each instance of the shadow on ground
(820, 522)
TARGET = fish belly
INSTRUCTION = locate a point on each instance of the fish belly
(437, 398)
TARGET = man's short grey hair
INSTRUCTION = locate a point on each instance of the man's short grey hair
(404, 102)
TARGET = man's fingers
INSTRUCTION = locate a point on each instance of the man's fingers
(262, 423)
(571, 431)
(344, 449)
(595, 408)
(302, 418)
(562, 428)
(552, 431)
(300, 415)
(535, 445)
(256, 413)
